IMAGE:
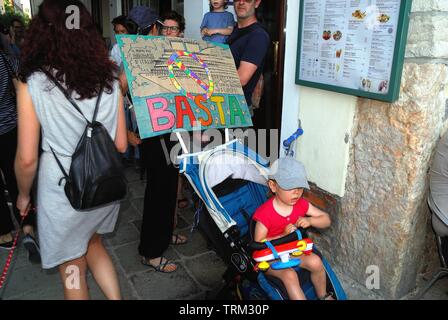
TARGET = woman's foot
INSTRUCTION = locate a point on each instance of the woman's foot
(32, 247)
(183, 203)
(6, 241)
(30, 244)
(178, 239)
(160, 264)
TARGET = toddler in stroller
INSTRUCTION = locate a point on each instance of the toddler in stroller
(231, 181)
(285, 213)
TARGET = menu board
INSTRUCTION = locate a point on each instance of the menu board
(353, 46)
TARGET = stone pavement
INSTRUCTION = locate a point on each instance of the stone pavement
(191, 281)
(199, 268)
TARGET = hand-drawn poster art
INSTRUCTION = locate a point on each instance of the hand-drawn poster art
(182, 84)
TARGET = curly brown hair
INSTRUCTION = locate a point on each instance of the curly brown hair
(174, 15)
(78, 55)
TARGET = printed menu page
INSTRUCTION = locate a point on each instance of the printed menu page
(349, 43)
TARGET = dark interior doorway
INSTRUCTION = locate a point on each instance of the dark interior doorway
(161, 6)
(97, 14)
(272, 14)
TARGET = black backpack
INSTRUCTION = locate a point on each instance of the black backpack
(96, 176)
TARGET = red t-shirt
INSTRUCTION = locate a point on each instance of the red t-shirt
(273, 221)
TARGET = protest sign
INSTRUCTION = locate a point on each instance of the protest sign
(182, 84)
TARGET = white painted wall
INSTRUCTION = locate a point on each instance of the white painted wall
(115, 8)
(194, 11)
(327, 120)
(35, 6)
(36, 3)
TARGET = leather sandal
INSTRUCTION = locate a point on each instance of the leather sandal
(161, 267)
(183, 203)
(177, 240)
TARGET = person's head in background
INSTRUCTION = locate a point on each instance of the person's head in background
(173, 24)
(218, 5)
(5, 43)
(122, 25)
(78, 56)
(246, 10)
(17, 29)
(146, 19)
(3, 38)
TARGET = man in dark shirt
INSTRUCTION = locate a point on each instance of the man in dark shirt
(249, 43)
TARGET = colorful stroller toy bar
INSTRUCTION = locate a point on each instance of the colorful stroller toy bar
(282, 248)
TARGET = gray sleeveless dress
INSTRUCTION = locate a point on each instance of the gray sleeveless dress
(63, 232)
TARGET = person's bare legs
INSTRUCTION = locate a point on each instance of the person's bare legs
(73, 276)
(102, 268)
(314, 264)
(291, 282)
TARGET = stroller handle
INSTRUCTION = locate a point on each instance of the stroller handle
(287, 143)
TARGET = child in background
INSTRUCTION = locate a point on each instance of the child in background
(283, 214)
(217, 24)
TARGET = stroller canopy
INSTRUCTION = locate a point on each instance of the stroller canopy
(207, 169)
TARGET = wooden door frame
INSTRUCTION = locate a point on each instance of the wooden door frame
(281, 62)
(97, 12)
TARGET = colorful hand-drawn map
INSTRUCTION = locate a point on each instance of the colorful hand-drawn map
(182, 84)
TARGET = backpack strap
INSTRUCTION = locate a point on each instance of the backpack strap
(95, 113)
(70, 99)
(65, 177)
(64, 91)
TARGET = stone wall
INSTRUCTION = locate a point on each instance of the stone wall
(384, 218)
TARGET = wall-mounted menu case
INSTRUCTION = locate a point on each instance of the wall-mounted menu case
(354, 47)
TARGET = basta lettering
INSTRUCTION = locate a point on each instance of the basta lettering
(179, 112)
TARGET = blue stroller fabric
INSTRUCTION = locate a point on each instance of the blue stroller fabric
(242, 203)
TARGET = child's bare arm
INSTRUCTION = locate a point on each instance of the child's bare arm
(224, 31)
(260, 232)
(315, 218)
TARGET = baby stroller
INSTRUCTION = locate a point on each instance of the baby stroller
(231, 180)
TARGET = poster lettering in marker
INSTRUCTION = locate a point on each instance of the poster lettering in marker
(181, 84)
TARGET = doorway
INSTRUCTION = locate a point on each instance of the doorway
(272, 14)
(159, 6)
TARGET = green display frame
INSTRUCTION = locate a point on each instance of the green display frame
(397, 62)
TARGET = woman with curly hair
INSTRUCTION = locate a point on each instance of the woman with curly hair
(78, 59)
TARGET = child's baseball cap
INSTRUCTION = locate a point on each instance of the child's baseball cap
(289, 173)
